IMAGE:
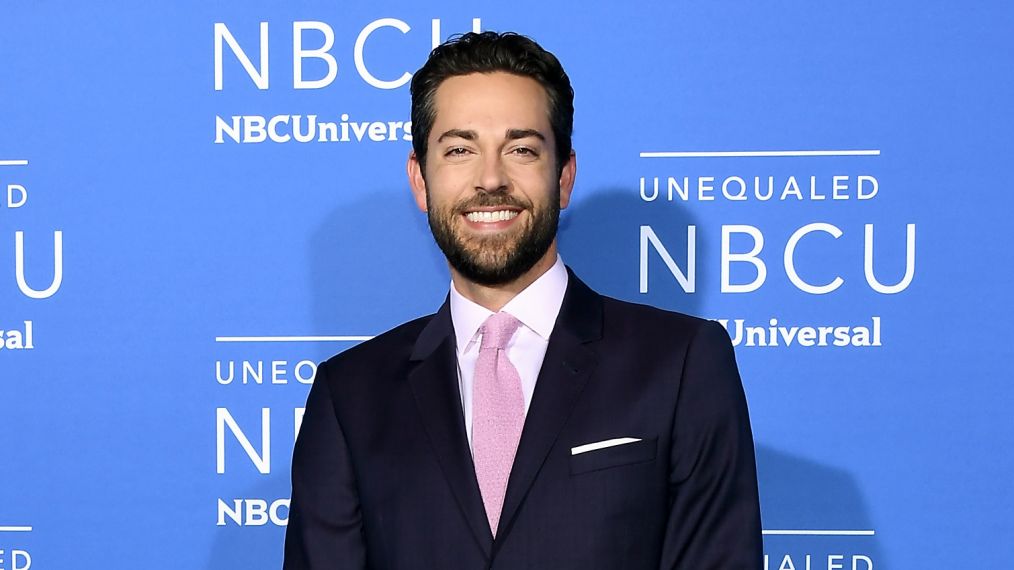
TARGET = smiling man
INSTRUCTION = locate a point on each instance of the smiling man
(530, 422)
(492, 183)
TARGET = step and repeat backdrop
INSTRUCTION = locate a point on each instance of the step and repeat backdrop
(200, 201)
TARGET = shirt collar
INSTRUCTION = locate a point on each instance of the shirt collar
(537, 307)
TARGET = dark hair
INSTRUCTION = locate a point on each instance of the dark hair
(488, 52)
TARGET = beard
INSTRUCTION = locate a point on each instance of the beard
(495, 259)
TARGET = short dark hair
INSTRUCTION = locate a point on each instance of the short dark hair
(489, 52)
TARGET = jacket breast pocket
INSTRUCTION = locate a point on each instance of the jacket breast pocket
(641, 451)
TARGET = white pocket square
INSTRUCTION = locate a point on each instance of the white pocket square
(602, 444)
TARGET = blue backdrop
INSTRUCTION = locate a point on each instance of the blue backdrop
(174, 261)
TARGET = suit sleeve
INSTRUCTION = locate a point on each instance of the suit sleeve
(714, 517)
(325, 529)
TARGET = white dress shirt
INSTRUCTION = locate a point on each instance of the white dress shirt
(537, 307)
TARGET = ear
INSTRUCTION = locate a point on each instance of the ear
(416, 181)
(567, 174)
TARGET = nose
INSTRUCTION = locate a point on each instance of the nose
(492, 177)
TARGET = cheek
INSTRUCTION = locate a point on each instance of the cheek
(530, 179)
(543, 191)
(447, 185)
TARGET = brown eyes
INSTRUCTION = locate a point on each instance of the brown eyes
(460, 151)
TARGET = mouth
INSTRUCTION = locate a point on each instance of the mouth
(491, 216)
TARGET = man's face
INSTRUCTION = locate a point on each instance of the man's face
(490, 186)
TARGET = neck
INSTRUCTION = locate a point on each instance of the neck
(494, 297)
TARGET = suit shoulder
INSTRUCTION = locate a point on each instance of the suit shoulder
(394, 345)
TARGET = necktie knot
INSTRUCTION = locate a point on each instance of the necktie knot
(498, 330)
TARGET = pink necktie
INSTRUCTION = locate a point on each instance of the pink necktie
(498, 413)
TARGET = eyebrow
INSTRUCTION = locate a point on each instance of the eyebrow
(515, 134)
(459, 133)
(512, 134)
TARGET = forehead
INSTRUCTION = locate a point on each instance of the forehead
(497, 101)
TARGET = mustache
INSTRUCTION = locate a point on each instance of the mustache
(484, 200)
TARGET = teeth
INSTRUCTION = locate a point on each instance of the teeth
(490, 217)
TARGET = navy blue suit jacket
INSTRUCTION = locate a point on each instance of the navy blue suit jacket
(382, 475)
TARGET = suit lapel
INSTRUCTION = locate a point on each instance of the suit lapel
(564, 373)
(434, 382)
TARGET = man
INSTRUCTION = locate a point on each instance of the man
(530, 422)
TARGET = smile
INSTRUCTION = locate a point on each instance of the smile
(491, 217)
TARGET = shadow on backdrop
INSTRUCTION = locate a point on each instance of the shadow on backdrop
(797, 493)
(600, 239)
(373, 266)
